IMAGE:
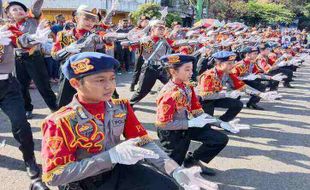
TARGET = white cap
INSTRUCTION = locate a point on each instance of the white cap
(153, 23)
(86, 9)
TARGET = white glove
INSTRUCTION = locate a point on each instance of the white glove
(114, 35)
(190, 179)
(270, 96)
(235, 124)
(228, 127)
(164, 12)
(5, 35)
(249, 77)
(136, 35)
(2, 144)
(296, 62)
(234, 94)
(42, 33)
(282, 64)
(74, 48)
(129, 153)
(278, 77)
(201, 121)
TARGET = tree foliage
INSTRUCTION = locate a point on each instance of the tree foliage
(149, 9)
(252, 11)
(267, 13)
(152, 10)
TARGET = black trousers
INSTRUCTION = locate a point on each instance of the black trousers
(258, 85)
(149, 75)
(125, 59)
(65, 92)
(12, 104)
(126, 177)
(176, 143)
(234, 107)
(291, 67)
(285, 71)
(33, 67)
(137, 71)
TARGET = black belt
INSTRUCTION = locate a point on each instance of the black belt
(26, 54)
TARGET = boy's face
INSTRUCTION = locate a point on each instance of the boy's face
(144, 23)
(183, 73)
(253, 55)
(225, 66)
(86, 21)
(158, 31)
(97, 87)
(17, 12)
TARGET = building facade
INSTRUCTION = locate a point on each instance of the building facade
(54, 7)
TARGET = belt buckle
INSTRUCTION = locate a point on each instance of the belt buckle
(4, 76)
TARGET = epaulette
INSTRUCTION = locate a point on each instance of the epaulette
(176, 95)
(63, 112)
(192, 84)
(144, 140)
(119, 101)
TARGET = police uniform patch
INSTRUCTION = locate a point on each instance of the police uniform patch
(82, 66)
(89, 137)
(86, 131)
(119, 115)
(119, 119)
(54, 144)
(165, 108)
(174, 59)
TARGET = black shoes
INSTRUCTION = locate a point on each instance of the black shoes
(33, 172)
(254, 107)
(32, 168)
(190, 161)
(287, 85)
(38, 185)
(132, 88)
(29, 115)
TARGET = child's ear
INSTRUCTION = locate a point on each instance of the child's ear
(172, 71)
(74, 83)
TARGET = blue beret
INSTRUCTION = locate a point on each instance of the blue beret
(7, 5)
(286, 46)
(88, 63)
(249, 49)
(176, 59)
(224, 56)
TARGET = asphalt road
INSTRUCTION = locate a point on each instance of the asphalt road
(273, 155)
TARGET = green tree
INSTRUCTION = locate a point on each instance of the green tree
(148, 9)
(304, 17)
(152, 10)
(267, 13)
(227, 9)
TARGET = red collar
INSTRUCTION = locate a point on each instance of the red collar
(219, 73)
(181, 85)
(94, 108)
(246, 61)
(155, 39)
(18, 24)
(78, 33)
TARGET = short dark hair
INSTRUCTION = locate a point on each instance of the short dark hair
(81, 80)
(174, 67)
(59, 16)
